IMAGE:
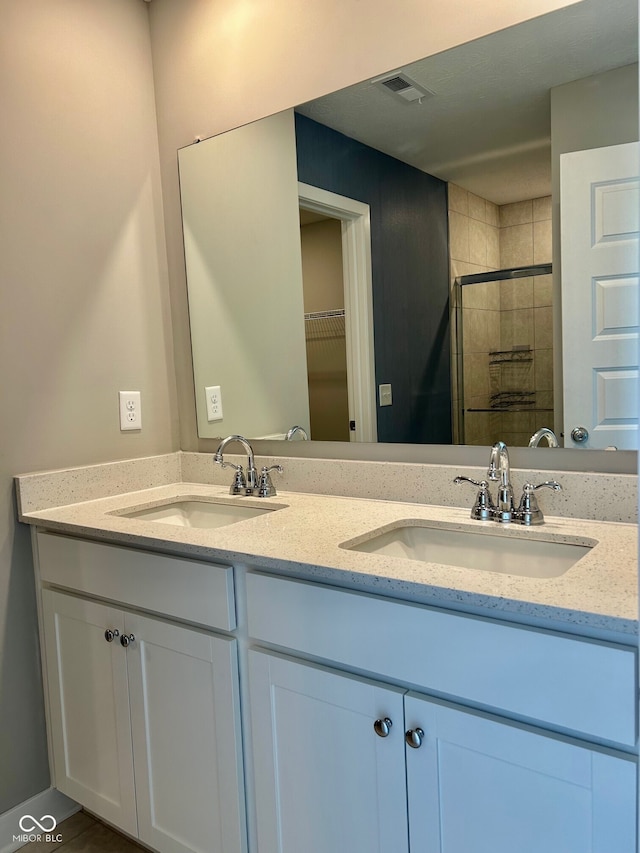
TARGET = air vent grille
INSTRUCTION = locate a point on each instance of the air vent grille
(402, 86)
(396, 84)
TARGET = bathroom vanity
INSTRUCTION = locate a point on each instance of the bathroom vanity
(267, 684)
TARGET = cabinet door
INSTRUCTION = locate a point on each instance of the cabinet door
(324, 780)
(481, 785)
(185, 718)
(89, 707)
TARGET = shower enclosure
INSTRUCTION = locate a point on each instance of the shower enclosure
(503, 387)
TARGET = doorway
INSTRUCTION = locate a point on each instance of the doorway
(324, 325)
(353, 222)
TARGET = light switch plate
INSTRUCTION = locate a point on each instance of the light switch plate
(130, 410)
(384, 395)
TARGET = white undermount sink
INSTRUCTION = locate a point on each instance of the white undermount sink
(194, 512)
(482, 550)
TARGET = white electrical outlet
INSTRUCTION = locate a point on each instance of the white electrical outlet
(130, 410)
(214, 402)
(384, 395)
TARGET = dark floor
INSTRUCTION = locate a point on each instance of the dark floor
(82, 833)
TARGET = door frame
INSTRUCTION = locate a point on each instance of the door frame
(355, 220)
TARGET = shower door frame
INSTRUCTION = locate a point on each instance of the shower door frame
(480, 278)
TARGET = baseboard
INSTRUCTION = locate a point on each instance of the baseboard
(49, 802)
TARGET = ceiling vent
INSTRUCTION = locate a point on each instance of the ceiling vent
(400, 85)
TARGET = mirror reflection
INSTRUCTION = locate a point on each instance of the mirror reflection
(323, 249)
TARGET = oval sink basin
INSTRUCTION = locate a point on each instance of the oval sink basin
(487, 552)
(191, 512)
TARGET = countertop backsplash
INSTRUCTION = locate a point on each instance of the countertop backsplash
(604, 497)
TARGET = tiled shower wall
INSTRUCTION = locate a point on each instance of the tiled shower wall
(474, 247)
(499, 317)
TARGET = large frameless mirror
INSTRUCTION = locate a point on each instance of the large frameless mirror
(327, 249)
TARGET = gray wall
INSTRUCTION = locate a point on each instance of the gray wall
(83, 294)
(590, 113)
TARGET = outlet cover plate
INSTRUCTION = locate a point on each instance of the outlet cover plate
(213, 396)
(130, 410)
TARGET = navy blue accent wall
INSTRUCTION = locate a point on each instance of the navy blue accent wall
(410, 274)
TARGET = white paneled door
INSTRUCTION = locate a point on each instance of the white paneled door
(325, 782)
(479, 784)
(89, 706)
(186, 738)
(600, 212)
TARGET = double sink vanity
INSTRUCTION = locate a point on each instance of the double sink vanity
(335, 673)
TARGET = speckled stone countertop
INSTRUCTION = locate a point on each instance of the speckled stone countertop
(303, 538)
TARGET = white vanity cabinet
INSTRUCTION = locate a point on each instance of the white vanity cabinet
(332, 759)
(144, 711)
(371, 724)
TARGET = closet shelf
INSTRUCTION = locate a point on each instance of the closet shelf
(325, 325)
(324, 315)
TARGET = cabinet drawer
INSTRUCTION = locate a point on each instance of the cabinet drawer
(575, 684)
(184, 589)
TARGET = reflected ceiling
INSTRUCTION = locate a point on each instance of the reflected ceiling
(488, 126)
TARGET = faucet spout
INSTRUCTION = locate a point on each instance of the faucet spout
(499, 469)
(543, 432)
(252, 476)
(296, 429)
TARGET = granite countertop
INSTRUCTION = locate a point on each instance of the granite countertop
(597, 595)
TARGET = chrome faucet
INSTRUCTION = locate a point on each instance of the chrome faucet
(294, 430)
(503, 510)
(240, 485)
(499, 470)
(543, 432)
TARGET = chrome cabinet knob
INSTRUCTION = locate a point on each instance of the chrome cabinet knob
(382, 727)
(414, 738)
(579, 434)
(126, 640)
(110, 634)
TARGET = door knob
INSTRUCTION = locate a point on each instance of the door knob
(579, 434)
(111, 634)
(126, 640)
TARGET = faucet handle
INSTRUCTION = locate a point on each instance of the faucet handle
(461, 479)
(239, 485)
(528, 511)
(266, 489)
(529, 488)
(483, 508)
